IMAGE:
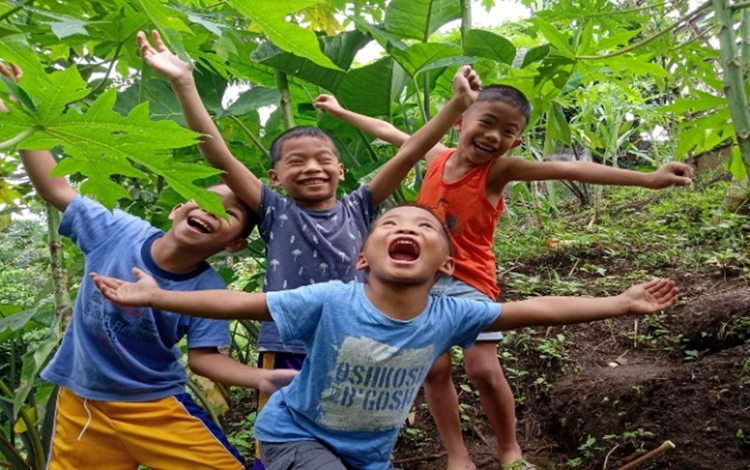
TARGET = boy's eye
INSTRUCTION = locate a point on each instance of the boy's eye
(427, 225)
(388, 222)
(232, 213)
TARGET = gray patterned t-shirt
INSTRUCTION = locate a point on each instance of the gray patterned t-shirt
(306, 247)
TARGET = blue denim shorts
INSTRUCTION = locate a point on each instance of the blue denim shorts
(453, 287)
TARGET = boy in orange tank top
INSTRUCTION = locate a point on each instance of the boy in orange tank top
(465, 185)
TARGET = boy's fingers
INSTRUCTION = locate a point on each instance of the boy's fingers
(17, 71)
(157, 41)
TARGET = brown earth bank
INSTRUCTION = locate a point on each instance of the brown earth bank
(626, 387)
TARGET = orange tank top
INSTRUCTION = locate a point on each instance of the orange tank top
(463, 206)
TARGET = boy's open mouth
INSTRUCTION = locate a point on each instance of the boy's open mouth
(483, 148)
(403, 250)
(199, 225)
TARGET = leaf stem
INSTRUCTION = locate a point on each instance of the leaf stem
(250, 135)
(17, 139)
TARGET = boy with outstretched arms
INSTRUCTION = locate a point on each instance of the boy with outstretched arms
(364, 369)
(464, 186)
(311, 236)
(122, 400)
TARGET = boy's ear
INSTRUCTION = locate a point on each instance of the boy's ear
(175, 209)
(274, 177)
(341, 172)
(518, 142)
(362, 263)
(447, 267)
(237, 245)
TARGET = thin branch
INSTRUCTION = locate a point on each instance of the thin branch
(623, 12)
(250, 135)
(740, 6)
(109, 70)
(653, 37)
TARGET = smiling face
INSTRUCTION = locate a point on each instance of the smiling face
(489, 129)
(208, 233)
(406, 245)
(309, 170)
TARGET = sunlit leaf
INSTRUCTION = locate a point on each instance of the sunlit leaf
(418, 19)
(489, 45)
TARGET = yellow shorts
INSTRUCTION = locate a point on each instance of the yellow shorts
(173, 433)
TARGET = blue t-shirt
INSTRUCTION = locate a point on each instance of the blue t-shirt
(363, 368)
(113, 353)
(304, 247)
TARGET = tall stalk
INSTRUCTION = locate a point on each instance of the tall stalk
(287, 114)
(732, 65)
(60, 285)
(735, 69)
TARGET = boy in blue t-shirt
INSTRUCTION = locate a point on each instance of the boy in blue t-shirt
(363, 369)
(122, 400)
(310, 236)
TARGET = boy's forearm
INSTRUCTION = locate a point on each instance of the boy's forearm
(55, 190)
(550, 311)
(375, 127)
(595, 173)
(221, 304)
(220, 368)
(212, 146)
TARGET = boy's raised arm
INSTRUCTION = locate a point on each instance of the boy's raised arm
(466, 85)
(383, 130)
(219, 303)
(213, 148)
(39, 164)
(642, 299)
(519, 169)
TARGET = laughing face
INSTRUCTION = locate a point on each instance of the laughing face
(489, 129)
(309, 170)
(207, 232)
(406, 245)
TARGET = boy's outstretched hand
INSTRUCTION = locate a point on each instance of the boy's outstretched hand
(161, 59)
(650, 297)
(466, 85)
(135, 294)
(672, 174)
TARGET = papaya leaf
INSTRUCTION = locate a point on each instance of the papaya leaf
(418, 19)
(163, 16)
(555, 38)
(270, 17)
(489, 45)
(419, 56)
(251, 100)
(14, 320)
(341, 49)
(371, 89)
(33, 361)
(101, 142)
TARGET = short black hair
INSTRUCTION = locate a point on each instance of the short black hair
(295, 132)
(251, 218)
(506, 94)
(445, 230)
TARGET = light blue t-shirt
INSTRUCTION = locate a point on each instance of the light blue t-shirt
(363, 368)
(113, 353)
(305, 247)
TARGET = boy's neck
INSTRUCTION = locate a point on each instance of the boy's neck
(397, 300)
(168, 255)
